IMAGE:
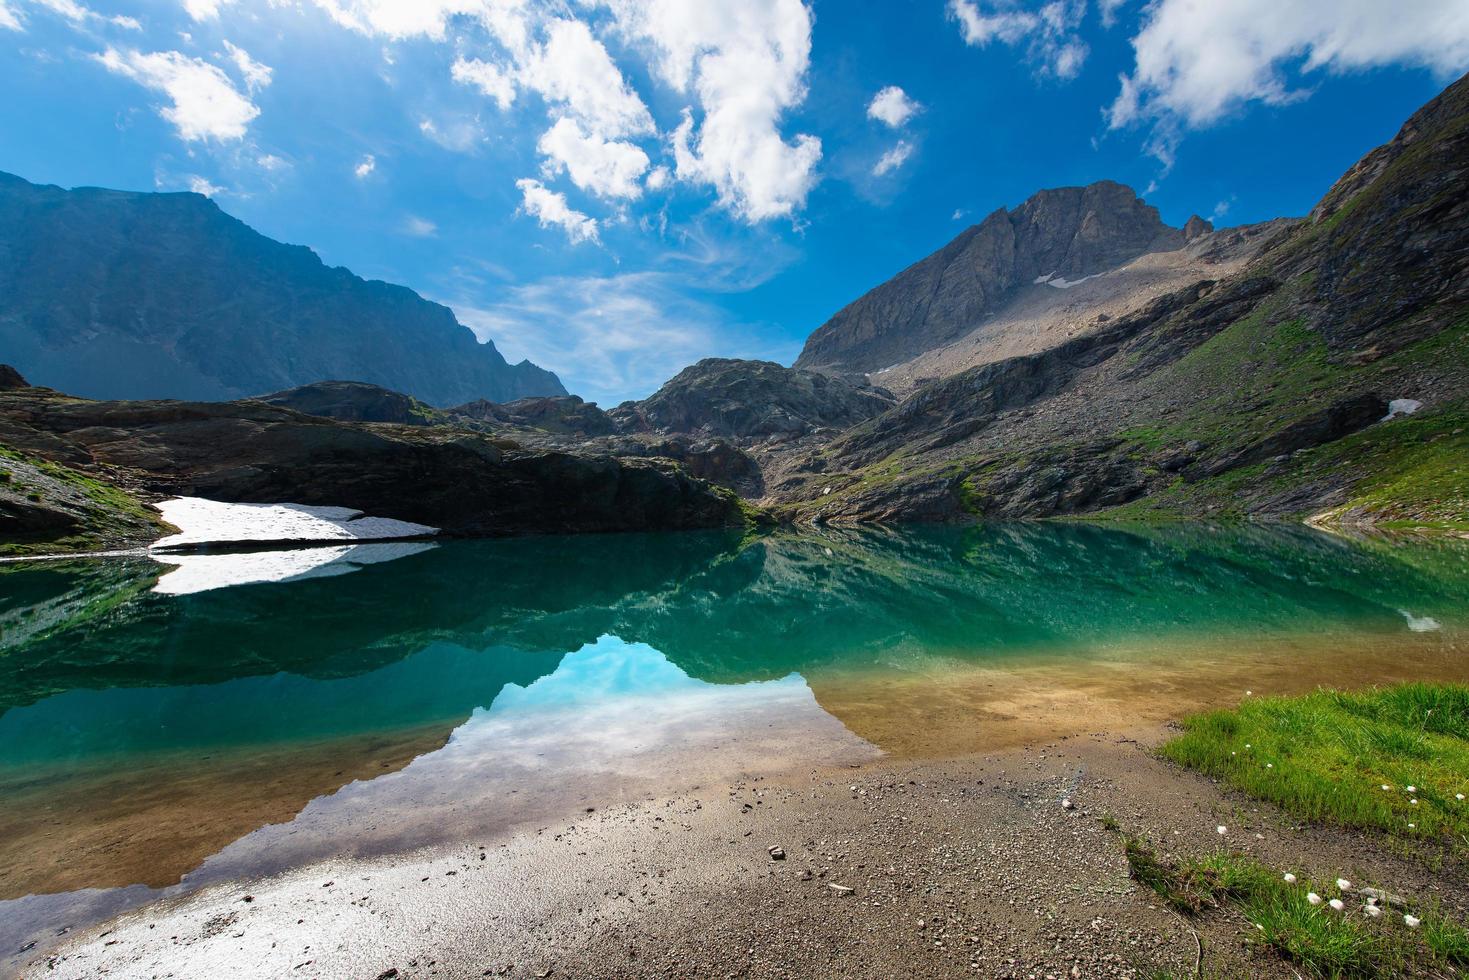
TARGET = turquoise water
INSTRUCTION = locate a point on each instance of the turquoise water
(220, 717)
(98, 666)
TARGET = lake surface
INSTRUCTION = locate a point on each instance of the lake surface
(165, 726)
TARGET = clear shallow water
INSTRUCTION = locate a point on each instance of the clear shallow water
(162, 727)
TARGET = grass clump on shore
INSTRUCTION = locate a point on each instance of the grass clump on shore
(1392, 759)
(1295, 917)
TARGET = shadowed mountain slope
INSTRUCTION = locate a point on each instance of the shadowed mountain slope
(113, 294)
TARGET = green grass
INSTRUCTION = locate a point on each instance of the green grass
(1323, 941)
(1326, 756)
(110, 515)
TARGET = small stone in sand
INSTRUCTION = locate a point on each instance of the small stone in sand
(841, 889)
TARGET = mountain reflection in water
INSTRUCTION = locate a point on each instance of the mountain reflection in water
(221, 716)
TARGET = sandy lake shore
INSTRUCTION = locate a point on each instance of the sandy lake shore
(968, 866)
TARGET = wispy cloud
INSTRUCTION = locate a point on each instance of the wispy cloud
(201, 185)
(609, 338)
(893, 158)
(1050, 35)
(419, 227)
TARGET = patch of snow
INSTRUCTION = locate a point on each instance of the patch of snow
(1401, 406)
(1060, 283)
(1420, 624)
(213, 522)
(1041, 279)
(200, 573)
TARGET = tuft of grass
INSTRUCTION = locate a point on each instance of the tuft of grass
(1189, 889)
(1323, 941)
(1326, 756)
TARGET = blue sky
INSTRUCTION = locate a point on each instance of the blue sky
(615, 188)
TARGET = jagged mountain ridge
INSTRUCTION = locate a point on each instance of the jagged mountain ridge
(116, 294)
(1267, 392)
(1063, 234)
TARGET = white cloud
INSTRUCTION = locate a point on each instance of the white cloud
(204, 9)
(365, 167)
(658, 178)
(891, 105)
(272, 163)
(419, 227)
(205, 103)
(492, 80)
(1050, 34)
(551, 210)
(1197, 63)
(256, 75)
(402, 19)
(979, 29)
(573, 70)
(893, 159)
(1220, 210)
(742, 65)
(9, 19)
(75, 12)
(746, 64)
(958, 214)
(606, 168)
(69, 9)
(201, 185)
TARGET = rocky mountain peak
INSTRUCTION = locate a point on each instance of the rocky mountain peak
(1195, 227)
(1064, 232)
(11, 378)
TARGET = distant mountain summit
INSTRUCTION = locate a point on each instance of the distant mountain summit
(1061, 235)
(114, 294)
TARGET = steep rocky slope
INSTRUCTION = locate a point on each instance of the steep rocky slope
(467, 483)
(1056, 238)
(1265, 392)
(1038, 316)
(111, 294)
